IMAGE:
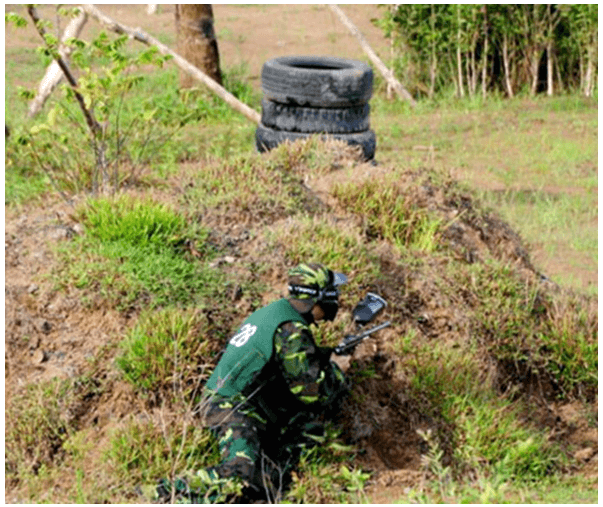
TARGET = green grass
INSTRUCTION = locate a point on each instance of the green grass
(164, 349)
(388, 215)
(139, 253)
(540, 155)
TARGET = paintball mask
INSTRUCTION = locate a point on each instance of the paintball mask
(314, 284)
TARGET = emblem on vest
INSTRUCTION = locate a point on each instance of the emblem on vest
(242, 337)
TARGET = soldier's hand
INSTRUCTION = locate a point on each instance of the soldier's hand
(342, 361)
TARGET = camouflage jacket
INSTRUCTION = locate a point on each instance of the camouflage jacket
(294, 376)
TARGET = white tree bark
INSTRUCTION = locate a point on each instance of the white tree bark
(141, 36)
(54, 74)
(549, 69)
(588, 78)
(387, 73)
(507, 67)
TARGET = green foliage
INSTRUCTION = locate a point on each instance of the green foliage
(167, 347)
(75, 155)
(142, 255)
(139, 223)
(489, 435)
(140, 116)
(15, 19)
(570, 339)
(491, 432)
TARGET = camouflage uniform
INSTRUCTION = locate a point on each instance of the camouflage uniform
(267, 400)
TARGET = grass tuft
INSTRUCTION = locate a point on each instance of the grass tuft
(139, 253)
(166, 348)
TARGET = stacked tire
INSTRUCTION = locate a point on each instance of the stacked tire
(306, 95)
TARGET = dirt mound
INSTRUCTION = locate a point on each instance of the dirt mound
(63, 333)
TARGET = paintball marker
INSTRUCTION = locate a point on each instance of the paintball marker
(364, 313)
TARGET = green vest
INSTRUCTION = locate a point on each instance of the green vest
(250, 349)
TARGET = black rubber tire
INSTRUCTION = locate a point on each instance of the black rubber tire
(313, 119)
(317, 81)
(266, 139)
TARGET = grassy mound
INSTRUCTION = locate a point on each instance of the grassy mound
(480, 348)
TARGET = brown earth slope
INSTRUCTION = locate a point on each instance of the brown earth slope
(51, 332)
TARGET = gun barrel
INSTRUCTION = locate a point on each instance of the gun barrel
(350, 342)
(370, 331)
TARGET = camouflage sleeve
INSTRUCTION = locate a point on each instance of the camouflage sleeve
(311, 377)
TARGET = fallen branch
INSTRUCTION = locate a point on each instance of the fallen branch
(387, 73)
(54, 74)
(145, 38)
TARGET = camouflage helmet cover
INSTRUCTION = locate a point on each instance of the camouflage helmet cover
(313, 283)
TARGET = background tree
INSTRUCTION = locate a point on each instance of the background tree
(197, 41)
(512, 48)
(584, 29)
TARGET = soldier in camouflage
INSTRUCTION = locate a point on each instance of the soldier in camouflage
(269, 392)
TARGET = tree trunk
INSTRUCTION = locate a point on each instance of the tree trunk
(485, 65)
(197, 41)
(433, 64)
(506, 65)
(485, 53)
(534, 61)
(459, 59)
(432, 74)
(549, 68)
(588, 78)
